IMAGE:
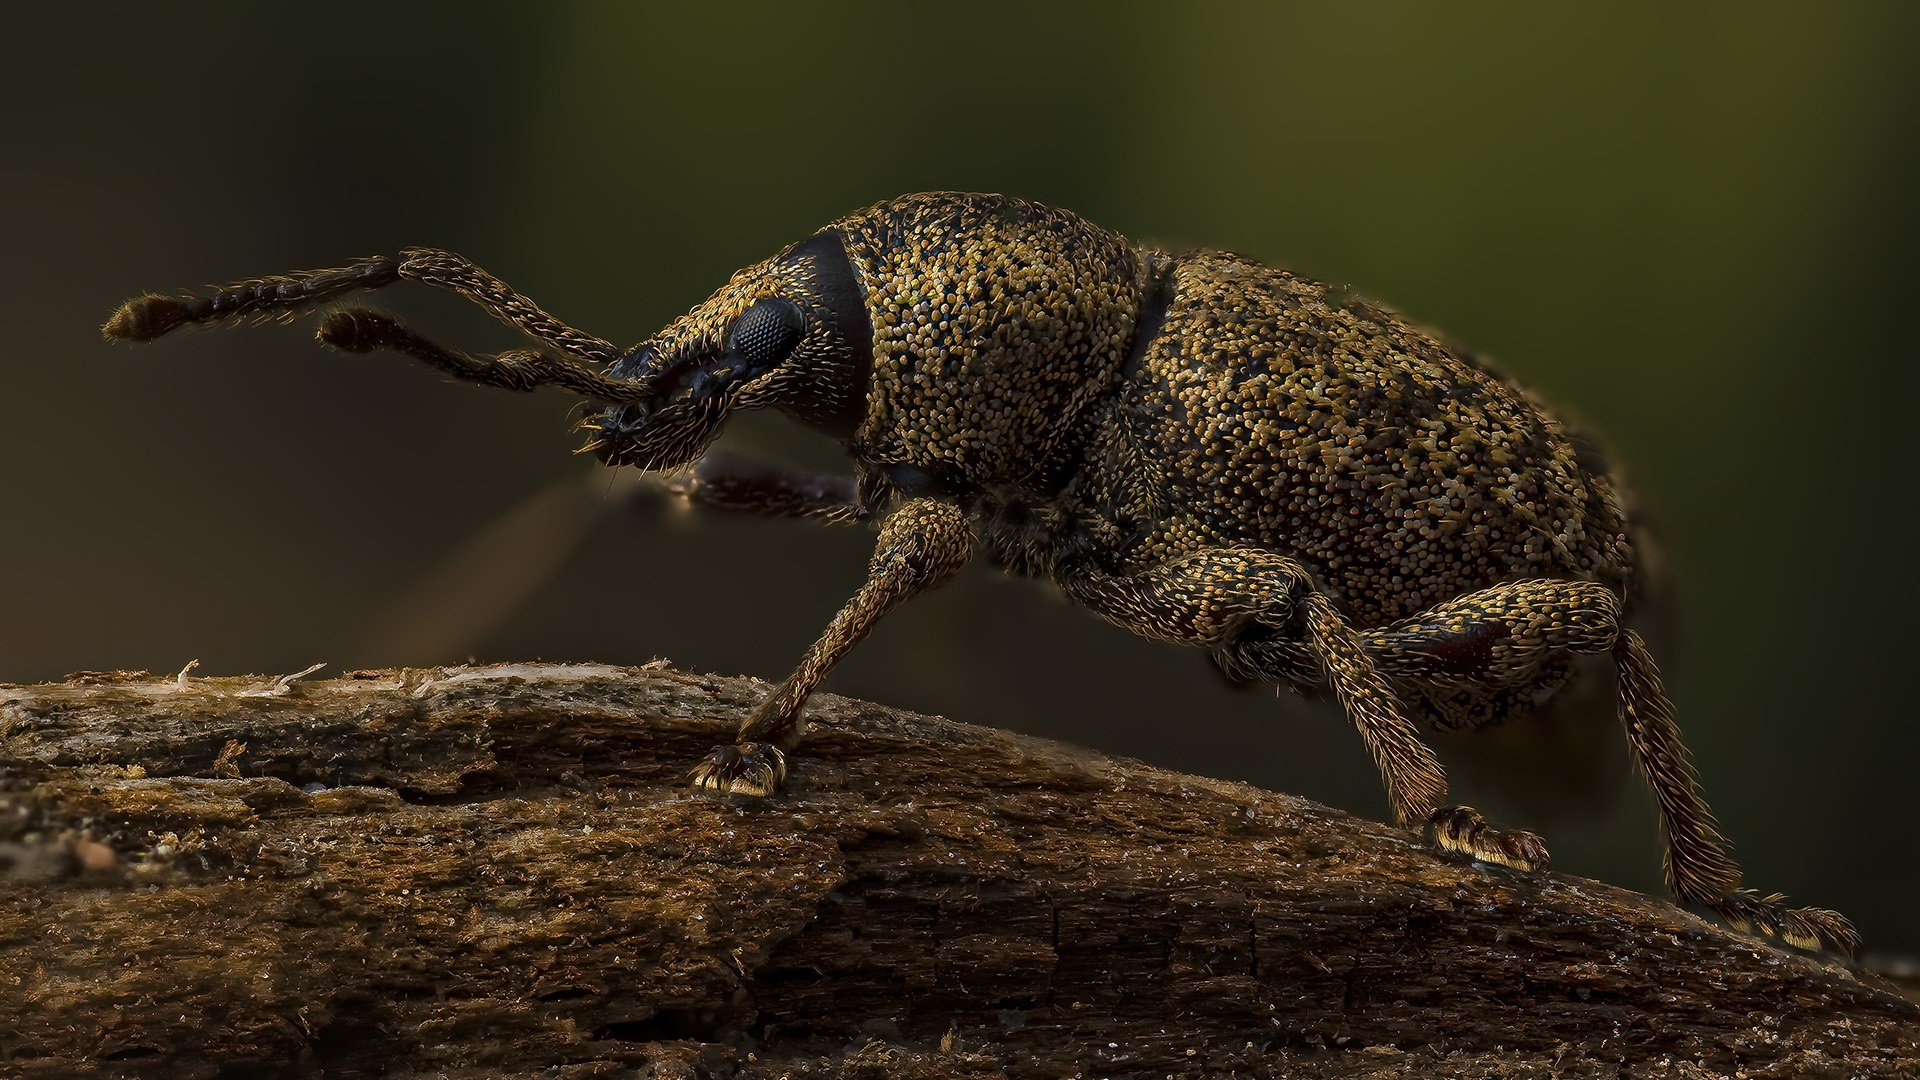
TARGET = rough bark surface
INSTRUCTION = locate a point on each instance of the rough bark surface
(498, 872)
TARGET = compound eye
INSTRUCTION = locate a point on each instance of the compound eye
(766, 333)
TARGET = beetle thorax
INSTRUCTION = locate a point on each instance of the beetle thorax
(996, 325)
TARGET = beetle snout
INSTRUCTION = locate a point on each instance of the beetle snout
(614, 431)
(622, 421)
(634, 364)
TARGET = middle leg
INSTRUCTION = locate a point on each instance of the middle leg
(723, 480)
(1218, 598)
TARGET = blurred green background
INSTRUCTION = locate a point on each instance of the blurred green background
(1692, 227)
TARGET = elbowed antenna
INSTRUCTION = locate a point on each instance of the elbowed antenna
(144, 318)
(147, 317)
(358, 330)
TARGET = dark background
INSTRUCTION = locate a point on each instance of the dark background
(1694, 229)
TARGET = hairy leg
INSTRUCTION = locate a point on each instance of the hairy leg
(738, 484)
(1699, 869)
(1513, 635)
(1213, 597)
(921, 545)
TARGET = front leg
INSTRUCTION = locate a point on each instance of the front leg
(723, 480)
(921, 545)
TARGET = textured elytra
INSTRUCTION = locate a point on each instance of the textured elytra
(1196, 447)
(1267, 413)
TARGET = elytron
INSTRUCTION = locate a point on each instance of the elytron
(1193, 446)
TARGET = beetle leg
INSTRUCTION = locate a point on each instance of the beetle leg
(1212, 597)
(1505, 637)
(1465, 831)
(921, 545)
(1502, 636)
(733, 482)
(1699, 870)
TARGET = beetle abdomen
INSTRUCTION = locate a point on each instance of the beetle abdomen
(1274, 411)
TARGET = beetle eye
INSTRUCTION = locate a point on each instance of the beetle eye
(766, 332)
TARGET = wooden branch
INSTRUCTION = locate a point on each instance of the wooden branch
(498, 871)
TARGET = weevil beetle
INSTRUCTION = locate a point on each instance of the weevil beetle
(1196, 447)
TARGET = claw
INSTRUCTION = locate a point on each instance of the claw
(752, 769)
(1462, 830)
(1811, 929)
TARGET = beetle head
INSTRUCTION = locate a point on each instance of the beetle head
(790, 332)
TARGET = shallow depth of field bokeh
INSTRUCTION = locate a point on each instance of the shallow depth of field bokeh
(1692, 229)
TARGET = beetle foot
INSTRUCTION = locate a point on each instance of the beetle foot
(1808, 928)
(750, 768)
(1462, 830)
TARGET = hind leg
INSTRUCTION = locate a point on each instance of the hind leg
(723, 480)
(1699, 870)
(1511, 636)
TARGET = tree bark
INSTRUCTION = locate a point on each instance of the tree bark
(498, 871)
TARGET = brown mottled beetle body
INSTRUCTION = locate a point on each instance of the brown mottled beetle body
(1195, 447)
(1402, 472)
